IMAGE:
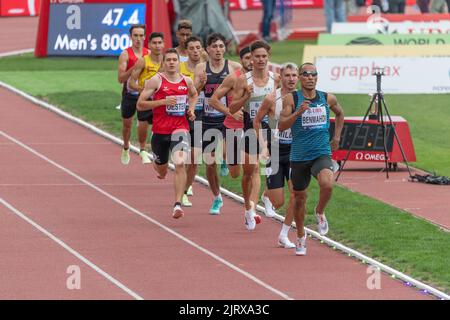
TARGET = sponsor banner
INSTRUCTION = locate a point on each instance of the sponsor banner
(19, 7)
(401, 74)
(256, 4)
(386, 27)
(310, 52)
(383, 39)
(402, 17)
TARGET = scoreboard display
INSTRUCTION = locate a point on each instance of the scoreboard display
(96, 27)
(369, 143)
(92, 29)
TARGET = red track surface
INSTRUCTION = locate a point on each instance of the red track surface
(119, 219)
(423, 200)
(17, 33)
(147, 259)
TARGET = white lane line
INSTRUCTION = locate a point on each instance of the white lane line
(59, 143)
(81, 184)
(72, 251)
(16, 52)
(162, 226)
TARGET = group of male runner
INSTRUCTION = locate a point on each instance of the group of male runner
(203, 104)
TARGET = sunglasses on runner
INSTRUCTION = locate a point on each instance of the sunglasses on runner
(309, 73)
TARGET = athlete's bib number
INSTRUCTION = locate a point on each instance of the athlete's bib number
(210, 111)
(284, 137)
(315, 118)
(200, 101)
(179, 109)
(254, 107)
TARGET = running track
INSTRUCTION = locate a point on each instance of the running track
(112, 221)
(49, 170)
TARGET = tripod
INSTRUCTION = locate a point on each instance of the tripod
(381, 108)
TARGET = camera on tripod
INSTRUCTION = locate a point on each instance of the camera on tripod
(374, 112)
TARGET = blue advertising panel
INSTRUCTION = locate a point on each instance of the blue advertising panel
(92, 29)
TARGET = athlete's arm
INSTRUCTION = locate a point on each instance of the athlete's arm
(135, 72)
(339, 120)
(200, 76)
(123, 74)
(288, 115)
(264, 109)
(277, 80)
(240, 86)
(238, 101)
(225, 87)
(150, 87)
(192, 98)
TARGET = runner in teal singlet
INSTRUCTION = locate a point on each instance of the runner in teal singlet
(307, 113)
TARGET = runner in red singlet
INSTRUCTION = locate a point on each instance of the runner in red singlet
(127, 60)
(174, 96)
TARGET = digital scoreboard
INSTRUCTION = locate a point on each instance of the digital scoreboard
(369, 145)
(91, 27)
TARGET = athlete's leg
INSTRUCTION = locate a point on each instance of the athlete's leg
(248, 169)
(142, 131)
(325, 179)
(276, 196)
(213, 178)
(300, 178)
(161, 170)
(299, 211)
(180, 181)
(126, 131)
(290, 206)
(322, 170)
(256, 183)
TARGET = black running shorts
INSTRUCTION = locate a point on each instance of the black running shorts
(278, 173)
(164, 144)
(207, 139)
(128, 105)
(146, 115)
(301, 171)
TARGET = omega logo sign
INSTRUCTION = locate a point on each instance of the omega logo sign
(370, 156)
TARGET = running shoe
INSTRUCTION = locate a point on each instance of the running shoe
(190, 191)
(125, 156)
(145, 157)
(250, 222)
(270, 210)
(216, 205)
(185, 201)
(284, 242)
(322, 224)
(177, 212)
(300, 248)
(224, 169)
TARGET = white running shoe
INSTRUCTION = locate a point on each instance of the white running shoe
(250, 221)
(270, 210)
(190, 191)
(284, 242)
(322, 224)
(145, 157)
(300, 248)
(177, 212)
(185, 201)
(125, 156)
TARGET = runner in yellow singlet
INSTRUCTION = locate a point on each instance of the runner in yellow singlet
(194, 51)
(145, 68)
